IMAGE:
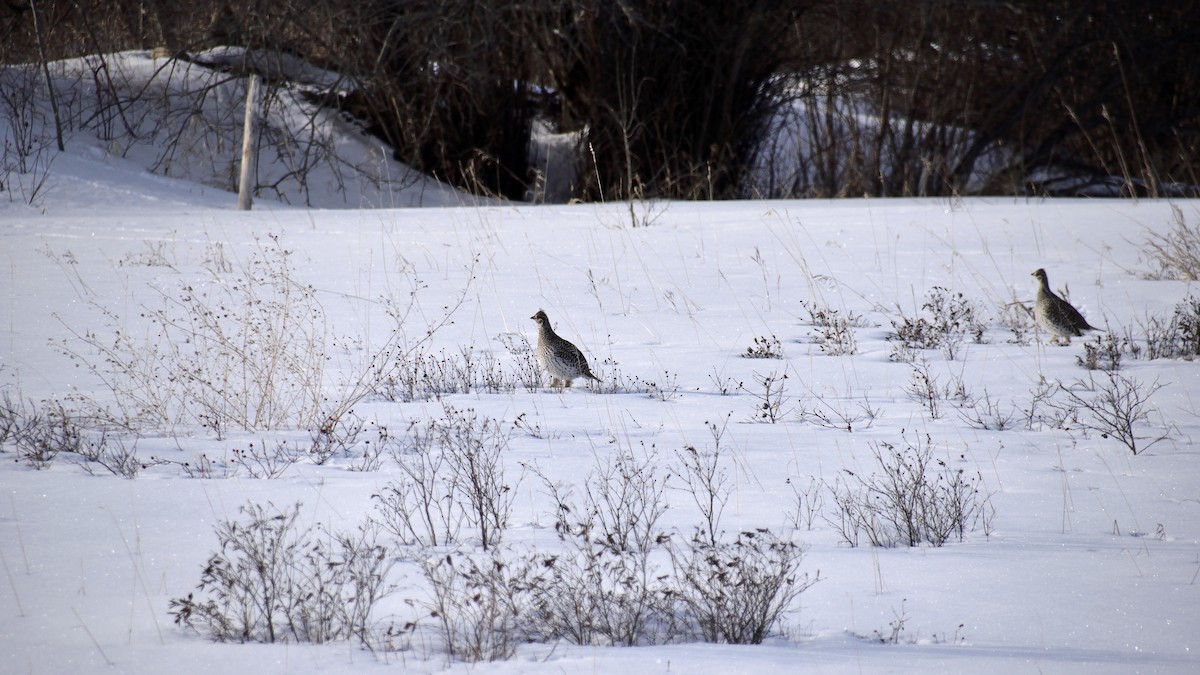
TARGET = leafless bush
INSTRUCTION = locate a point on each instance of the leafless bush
(1177, 337)
(664, 387)
(431, 376)
(764, 347)
(341, 437)
(769, 397)
(27, 153)
(249, 355)
(11, 416)
(265, 460)
(528, 373)
(1176, 254)
(1104, 352)
(532, 429)
(989, 414)
(706, 480)
(924, 388)
(336, 437)
(826, 414)
(272, 581)
(737, 591)
(41, 433)
(603, 585)
(1018, 319)
(832, 330)
(897, 631)
(453, 475)
(912, 499)
(112, 454)
(1119, 405)
(420, 508)
(479, 602)
(604, 588)
(809, 502)
(200, 466)
(724, 385)
(422, 376)
(625, 497)
(1042, 411)
(950, 319)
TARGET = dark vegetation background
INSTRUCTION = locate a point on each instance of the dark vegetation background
(674, 98)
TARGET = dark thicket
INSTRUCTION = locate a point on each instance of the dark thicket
(1099, 86)
(673, 98)
(447, 83)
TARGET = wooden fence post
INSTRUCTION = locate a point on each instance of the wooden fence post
(249, 142)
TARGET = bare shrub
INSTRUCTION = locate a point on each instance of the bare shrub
(248, 354)
(989, 414)
(1118, 407)
(427, 376)
(737, 591)
(603, 587)
(826, 414)
(1104, 352)
(479, 602)
(706, 480)
(595, 594)
(924, 388)
(453, 475)
(764, 347)
(832, 330)
(911, 499)
(420, 508)
(423, 376)
(1018, 319)
(42, 433)
(1176, 254)
(604, 584)
(11, 416)
(265, 460)
(1041, 411)
(809, 502)
(724, 385)
(112, 454)
(335, 437)
(1177, 337)
(527, 372)
(272, 580)
(28, 151)
(769, 397)
(950, 319)
(344, 436)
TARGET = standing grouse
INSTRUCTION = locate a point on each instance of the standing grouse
(1055, 314)
(558, 356)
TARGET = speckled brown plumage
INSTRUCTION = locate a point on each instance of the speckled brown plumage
(558, 356)
(1056, 315)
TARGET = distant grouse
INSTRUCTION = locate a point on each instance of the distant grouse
(559, 357)
(1055, 314)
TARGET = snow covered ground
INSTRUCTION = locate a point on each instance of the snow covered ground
(1090, 561)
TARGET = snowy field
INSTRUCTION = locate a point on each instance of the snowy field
(1083, 557)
